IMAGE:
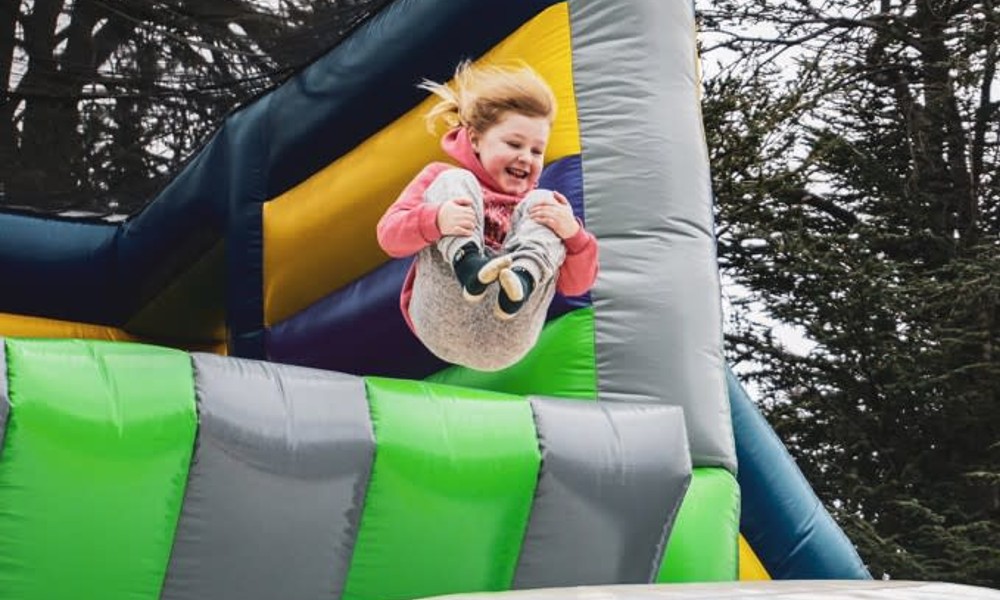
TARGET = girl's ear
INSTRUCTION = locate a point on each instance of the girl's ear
(474, 140)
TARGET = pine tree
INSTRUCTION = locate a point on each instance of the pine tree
(857, 201)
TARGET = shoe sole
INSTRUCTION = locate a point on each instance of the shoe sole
(487, 275)
(511, 285)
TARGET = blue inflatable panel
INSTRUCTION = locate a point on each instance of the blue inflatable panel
(566, 176)
(782, 519)
(186, 219)
(358, 329)
(46, 262)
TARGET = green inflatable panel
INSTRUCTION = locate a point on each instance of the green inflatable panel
(94, 467)
(703, 545)
(450, 491)
(561, 364)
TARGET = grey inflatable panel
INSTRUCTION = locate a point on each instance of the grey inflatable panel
(785, 590)
(277, 483)
(4, 400)
(610, 485)
(648, 200)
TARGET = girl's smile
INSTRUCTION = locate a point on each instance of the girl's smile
(512, 151)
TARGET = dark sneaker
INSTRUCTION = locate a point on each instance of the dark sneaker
(475, 271)
(516, 286)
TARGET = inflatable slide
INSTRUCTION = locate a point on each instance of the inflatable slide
(219, 398)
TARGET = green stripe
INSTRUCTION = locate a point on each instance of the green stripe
(450, 491)
(562, 364)
(94, 469)
(703, 545)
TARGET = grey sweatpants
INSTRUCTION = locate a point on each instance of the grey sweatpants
(470, 334)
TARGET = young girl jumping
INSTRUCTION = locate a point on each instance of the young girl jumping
(484, 222)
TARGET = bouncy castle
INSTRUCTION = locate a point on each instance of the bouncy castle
(219, 398)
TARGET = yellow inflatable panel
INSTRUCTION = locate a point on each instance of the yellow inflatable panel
(12, 325)
(751, 568)
(320, 235)
(39, 327)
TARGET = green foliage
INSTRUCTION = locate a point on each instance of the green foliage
(854, 153)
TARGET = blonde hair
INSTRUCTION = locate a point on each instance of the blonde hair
(478, 96)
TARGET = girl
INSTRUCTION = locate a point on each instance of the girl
(485, 222)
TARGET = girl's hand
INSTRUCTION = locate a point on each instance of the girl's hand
(557, 216)
(457, 217)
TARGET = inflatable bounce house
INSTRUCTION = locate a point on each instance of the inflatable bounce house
(219, 398)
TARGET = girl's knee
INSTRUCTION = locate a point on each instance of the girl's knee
(459, 177)
(537, 196)
(534, 197)
(453, 183)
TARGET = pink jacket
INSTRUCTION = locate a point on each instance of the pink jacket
(410, 225)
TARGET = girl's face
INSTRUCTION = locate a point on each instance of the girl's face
(511, 151)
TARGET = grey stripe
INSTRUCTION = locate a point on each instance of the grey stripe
(278, 479)
(646, 188)
(4, 399)
(612, 480)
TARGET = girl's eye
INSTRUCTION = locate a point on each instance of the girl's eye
(536, 152)
(514, 145)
